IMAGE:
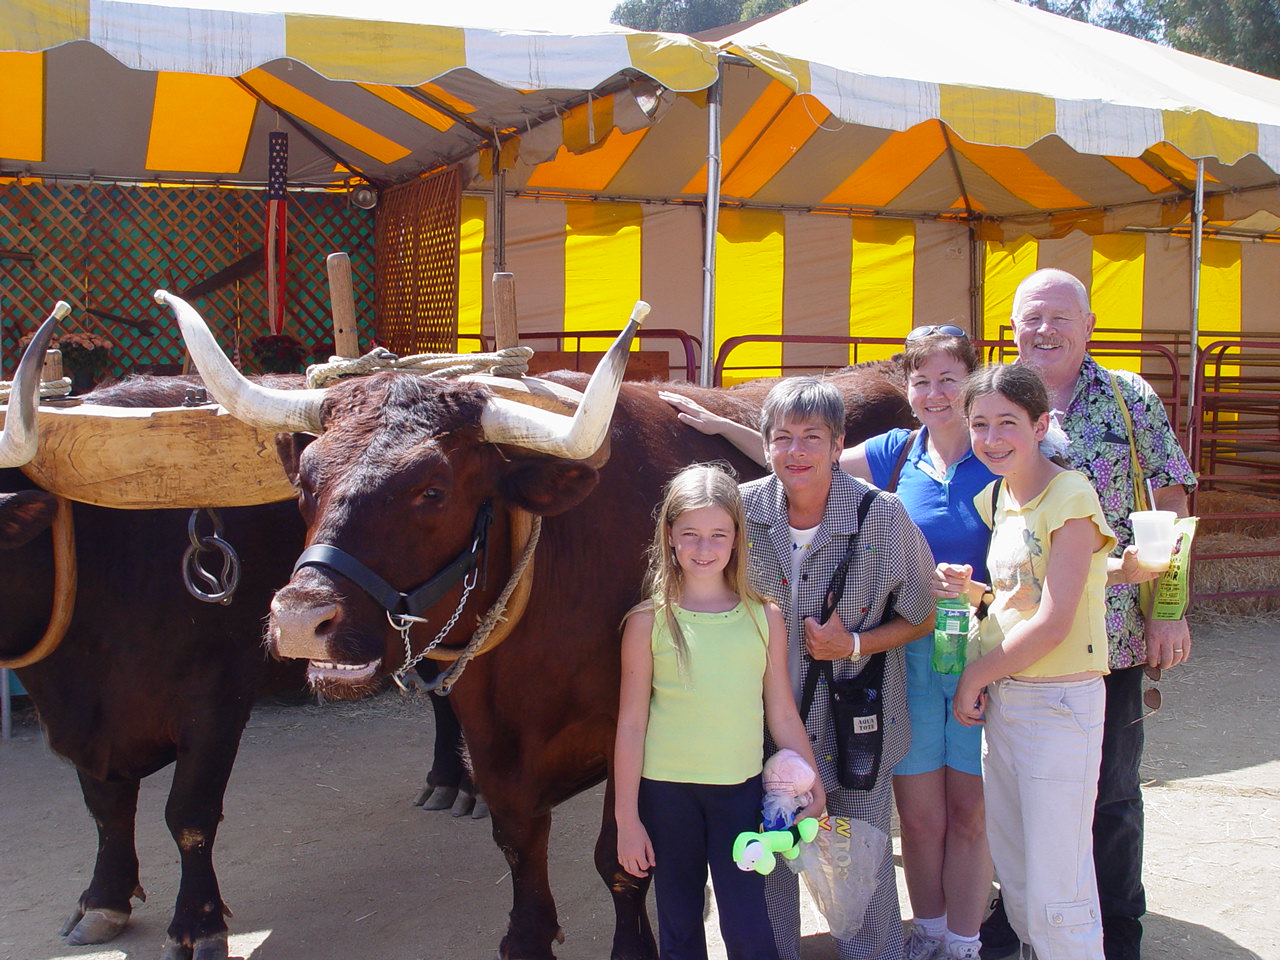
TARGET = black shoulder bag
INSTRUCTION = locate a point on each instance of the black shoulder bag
(857, 704)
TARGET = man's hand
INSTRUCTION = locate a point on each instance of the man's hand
(827, 641)
(1168, 643)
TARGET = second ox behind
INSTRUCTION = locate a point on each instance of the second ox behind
(395, 491)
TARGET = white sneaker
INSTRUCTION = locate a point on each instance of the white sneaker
(962, 950)
(922, 947)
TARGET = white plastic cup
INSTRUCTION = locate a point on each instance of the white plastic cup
(1153, 536)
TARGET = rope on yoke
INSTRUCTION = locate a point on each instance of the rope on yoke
(508, 362)
(48, 388)
(497, 614)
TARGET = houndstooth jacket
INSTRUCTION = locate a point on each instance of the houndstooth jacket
(890, 574)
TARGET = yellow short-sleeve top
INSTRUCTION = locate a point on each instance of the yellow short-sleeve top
(1018, 558)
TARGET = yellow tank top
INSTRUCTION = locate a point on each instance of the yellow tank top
(708, 726)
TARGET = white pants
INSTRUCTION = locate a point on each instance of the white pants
(1040, 753)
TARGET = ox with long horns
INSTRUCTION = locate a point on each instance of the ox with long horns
(425, 502)
(127, 671)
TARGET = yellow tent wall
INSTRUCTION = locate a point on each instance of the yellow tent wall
(580, 265)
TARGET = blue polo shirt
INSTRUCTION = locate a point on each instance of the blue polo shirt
(941, 506)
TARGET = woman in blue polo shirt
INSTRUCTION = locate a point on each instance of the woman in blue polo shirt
(938, 785)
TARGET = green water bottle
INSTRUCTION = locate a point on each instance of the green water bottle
(951, 634)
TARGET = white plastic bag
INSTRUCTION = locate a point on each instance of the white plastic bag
(839, 867)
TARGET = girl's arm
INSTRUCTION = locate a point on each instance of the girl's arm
(852, 460)
(1071, 547)
(635, 852)
(780, 713)
(1126, 569)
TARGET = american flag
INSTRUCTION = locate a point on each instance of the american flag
(277, 217)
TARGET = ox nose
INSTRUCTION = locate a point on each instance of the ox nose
(296, 629)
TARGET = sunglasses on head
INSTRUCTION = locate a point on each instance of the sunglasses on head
(937, 329)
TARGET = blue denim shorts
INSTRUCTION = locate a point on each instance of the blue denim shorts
(938, 739)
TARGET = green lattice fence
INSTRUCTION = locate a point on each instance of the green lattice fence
(107, 248)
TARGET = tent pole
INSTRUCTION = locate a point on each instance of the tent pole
(1197, 249)
(977, 282)
(499, 212)
(711, 226)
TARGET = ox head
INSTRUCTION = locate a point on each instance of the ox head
(396, 491)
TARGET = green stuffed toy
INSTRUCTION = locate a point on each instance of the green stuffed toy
(757, 851)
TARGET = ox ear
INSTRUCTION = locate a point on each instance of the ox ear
(23, 515)
(548, 486)
(289, 447)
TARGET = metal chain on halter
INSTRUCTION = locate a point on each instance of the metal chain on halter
(404, 623)
(223, 584)
(444, 684)
(508, 362)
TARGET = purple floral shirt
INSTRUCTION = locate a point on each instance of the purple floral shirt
(1100, 450)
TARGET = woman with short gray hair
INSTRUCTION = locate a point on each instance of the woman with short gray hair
(814, 532)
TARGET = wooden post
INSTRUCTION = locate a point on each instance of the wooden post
(343, 304)
(52, 369)
(505, 329)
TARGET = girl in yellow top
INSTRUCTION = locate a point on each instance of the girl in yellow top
(704, 668)
(1038, 681)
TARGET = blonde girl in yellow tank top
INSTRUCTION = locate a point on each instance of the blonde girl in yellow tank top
(704, 670)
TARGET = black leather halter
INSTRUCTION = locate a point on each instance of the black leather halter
(392, 600)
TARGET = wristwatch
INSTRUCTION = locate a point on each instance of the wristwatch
(857, 646)
(988, 598)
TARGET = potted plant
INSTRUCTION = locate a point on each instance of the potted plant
(277, 353)
(85, 356)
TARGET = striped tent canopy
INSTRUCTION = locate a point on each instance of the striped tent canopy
(981, 111)
(138, 92)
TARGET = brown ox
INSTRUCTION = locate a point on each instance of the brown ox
(396, 479)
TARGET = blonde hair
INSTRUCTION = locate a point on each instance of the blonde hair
(695, 487)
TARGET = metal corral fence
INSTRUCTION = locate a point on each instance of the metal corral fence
(1230, 431)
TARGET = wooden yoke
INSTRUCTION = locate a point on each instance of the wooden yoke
(144, 458)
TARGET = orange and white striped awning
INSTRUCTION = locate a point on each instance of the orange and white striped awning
(152, 93)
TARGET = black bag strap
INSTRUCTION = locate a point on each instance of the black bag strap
(831, 599)
(995, 495)
(892, 485)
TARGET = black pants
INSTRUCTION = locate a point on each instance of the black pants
(692, 825)
(1118, 819)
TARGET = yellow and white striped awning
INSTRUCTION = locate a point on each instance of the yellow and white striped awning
(984, 111)
(142, 92)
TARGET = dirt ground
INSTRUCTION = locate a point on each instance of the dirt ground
(322, 855)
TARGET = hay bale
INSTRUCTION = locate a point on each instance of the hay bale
(1225, 575)
(1221, 501)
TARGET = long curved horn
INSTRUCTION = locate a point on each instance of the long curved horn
(283, 411)
(21, 439)
(576, 437)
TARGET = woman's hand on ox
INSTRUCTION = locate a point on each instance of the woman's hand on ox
(694, 414)
(635, 851)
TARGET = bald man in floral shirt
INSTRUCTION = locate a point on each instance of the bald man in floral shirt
(1052, 324)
